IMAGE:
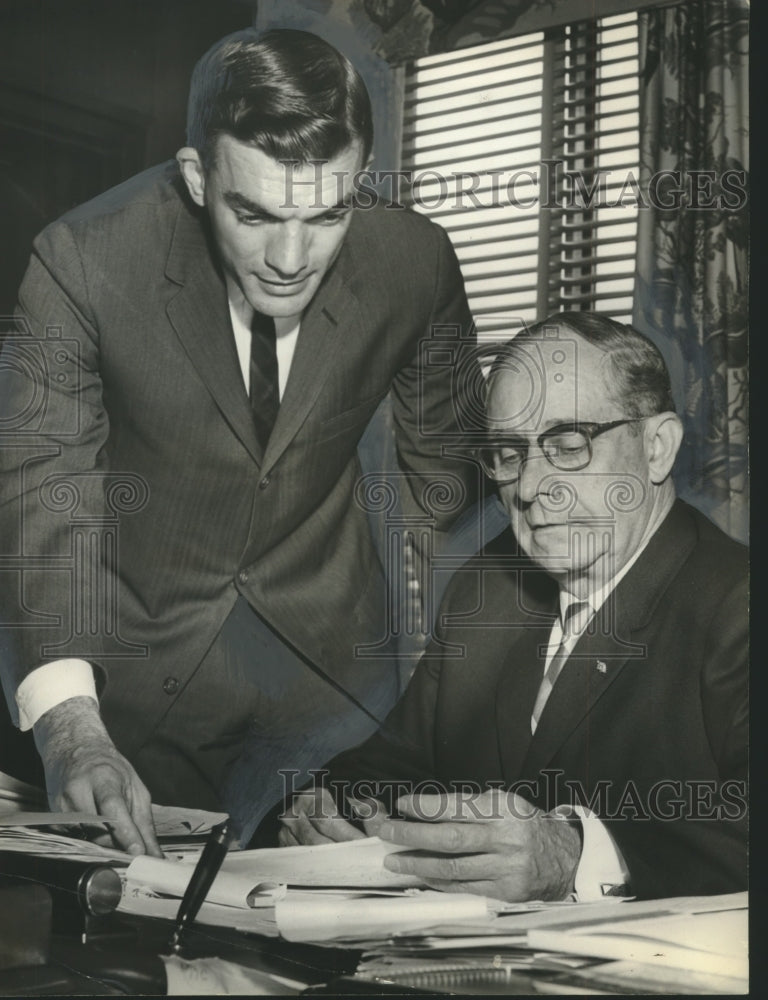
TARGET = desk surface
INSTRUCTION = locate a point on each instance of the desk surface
(121, 956)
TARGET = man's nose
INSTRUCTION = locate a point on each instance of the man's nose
(533, 472)
(286, 252)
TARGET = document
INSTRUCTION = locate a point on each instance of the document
(170, 878)
(355, 863)
(706, 934)
(321, 917)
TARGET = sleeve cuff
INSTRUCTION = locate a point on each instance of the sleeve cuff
(602, 871)
(51, 684)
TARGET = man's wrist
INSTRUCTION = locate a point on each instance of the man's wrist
(67, 724)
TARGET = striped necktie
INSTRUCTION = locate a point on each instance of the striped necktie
(264, 387)
(573, 621)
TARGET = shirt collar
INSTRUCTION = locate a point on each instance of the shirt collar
(243, 310)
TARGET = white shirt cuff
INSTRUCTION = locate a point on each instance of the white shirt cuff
(601, 867)
(51, 684)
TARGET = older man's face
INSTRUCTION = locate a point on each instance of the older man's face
(581, 524)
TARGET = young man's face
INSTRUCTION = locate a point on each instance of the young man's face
(278, 229)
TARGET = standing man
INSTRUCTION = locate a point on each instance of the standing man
(579, 724)
(209, 341)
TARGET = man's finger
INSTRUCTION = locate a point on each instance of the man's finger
(455, 807)
(75, 796)
(488, 888)
(303, 829)
(371, 812)
(336, 828)
(286, 839)
(142, 817)
(460, 868)
(322, 815)
(441, 838)
(112, 806)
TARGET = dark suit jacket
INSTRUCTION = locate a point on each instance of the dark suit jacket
(647, 721)
(130, 351)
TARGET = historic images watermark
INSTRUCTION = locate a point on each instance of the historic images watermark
(548, 186)
(667, 800)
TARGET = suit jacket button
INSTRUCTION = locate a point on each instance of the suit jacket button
(170, 685)
(242, 576)
(265, 482)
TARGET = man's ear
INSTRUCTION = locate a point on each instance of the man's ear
(663, 437)
(193, 173)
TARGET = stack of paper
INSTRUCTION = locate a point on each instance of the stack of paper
(29, 840)
(684, 945)
(333, 892)
(706, 934)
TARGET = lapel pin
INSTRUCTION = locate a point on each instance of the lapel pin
(602, 668)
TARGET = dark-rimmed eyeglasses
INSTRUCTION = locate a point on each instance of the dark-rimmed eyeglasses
(567, 447)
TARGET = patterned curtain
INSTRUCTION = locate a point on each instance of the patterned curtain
(691, 288)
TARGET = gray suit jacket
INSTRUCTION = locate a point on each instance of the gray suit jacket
(142, 450)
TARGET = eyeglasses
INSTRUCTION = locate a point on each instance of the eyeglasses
(566, 446)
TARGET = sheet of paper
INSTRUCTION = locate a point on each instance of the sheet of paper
(16, 794)
(306, 917)
(172, 877)
(141, 900)
(170, 821)
(701, 936)
(177, 821)
(358, 863)
(214, 977)
(31, 840)
(638, 977)
(49, 819)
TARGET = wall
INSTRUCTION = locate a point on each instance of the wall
(91, 91)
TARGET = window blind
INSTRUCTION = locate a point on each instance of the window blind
(520, 149)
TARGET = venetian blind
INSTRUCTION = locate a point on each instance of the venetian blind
(526, 152)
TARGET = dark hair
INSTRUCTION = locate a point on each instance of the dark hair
(287, 92)
(640, 383)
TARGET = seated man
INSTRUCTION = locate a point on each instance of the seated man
(578, 723)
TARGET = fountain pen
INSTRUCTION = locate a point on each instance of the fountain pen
(206, 870)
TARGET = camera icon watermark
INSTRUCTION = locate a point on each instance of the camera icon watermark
(33, 372)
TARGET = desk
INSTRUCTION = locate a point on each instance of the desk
(121, 956)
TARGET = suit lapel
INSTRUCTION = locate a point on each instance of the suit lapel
(199, 313)
(610, 646)
(516, 693)
(535, 598)
(333, 310)
(594, 664)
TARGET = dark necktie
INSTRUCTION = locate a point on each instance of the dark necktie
(573, 620)
(264, 389)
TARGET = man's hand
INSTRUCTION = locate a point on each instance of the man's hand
(493, 844)
(313, 818)
(85, 773)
